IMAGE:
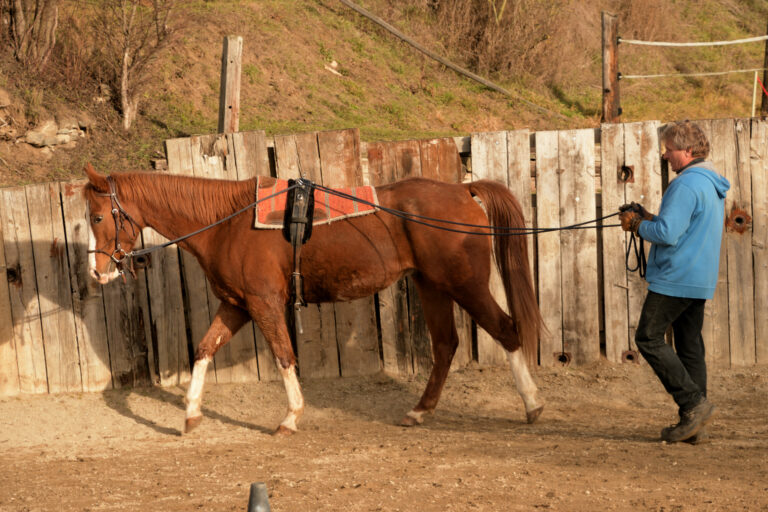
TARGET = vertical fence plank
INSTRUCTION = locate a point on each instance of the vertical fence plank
(25, 306)
(52, 275)
(519, 173)
(251, 159)
(741, 319)
(641, 151)
(166, 305)
(548, 173)
(576, 150)
(615, 285)
(9, 368)
(720, 134)
(236, 361)
(167, 311)
(87, 299)
(356, 331)
(759, 170)
(296, 156)
(396, 340)
(179, 155)
(440, 160)
(489, 161)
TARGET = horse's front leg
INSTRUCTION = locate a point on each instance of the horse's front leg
(228, 320)
(269, 315)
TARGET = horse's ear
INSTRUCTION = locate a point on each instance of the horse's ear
(97, 181)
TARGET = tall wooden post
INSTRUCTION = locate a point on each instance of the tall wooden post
(764, 103)
(611, 99)
(229, 98)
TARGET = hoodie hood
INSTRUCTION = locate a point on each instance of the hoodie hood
(707, 170)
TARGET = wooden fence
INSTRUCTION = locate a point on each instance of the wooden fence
(60, 332)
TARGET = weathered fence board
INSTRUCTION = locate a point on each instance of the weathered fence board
(297, 156)
(741, 309)
(388, 162)
(641, 151)
(576, 154)
(489, 161)
(440, 160)
(9, 369)
(615, 276)
(87, 299)
(550, 269)
(715, 332)
(519, 179)
(179, 155)
(251, 159)
(55, 297)
(356, 332)
(236, 361)
(759, 170)
(166, 310)
(25, 307)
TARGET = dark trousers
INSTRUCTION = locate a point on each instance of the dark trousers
(682, 371)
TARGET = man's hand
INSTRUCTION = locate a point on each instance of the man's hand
(637, 208)
(630, 220)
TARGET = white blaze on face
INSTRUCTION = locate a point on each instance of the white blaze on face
(295, 398)
(523, 381)
(92, 270)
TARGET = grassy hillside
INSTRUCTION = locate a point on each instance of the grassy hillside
(383, 86)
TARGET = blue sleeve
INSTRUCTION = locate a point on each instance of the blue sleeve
(674, 216)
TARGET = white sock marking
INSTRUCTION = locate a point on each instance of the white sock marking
(523, 381)
(195, 391)
(295, 397)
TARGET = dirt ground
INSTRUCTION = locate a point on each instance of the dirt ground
(595, 447)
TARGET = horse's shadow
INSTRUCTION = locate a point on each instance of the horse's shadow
(67, 333)
(114, 316)
(118, 400)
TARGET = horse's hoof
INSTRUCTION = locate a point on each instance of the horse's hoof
(411, 420)
(532, 416)
(191, 423)
(282, 430)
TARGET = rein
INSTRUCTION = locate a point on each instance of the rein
(119, 214)
(119, 255)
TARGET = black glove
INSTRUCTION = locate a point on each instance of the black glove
(638, 209)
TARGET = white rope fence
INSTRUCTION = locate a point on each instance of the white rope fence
(709, 43)
(712, 73)
(706, 43)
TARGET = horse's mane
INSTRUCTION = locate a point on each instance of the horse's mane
(199, 199)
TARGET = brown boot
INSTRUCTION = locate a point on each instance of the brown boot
(690, 423)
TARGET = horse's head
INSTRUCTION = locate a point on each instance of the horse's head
(112, 229)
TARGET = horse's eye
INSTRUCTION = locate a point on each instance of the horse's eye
(97, 218)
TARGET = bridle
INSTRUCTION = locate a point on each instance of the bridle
(120, 216)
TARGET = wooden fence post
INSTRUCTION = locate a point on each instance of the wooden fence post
(611, 98)
(229, 99)
(764, 102)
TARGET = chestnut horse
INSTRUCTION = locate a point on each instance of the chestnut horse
(342, 261)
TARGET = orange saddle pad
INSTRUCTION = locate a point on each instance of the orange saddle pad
(328, 207)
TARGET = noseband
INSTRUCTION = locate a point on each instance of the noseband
(119, 255)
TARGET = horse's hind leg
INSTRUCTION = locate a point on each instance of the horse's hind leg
(483, 308)
(270, 317)
(228, 320)
(438, 312)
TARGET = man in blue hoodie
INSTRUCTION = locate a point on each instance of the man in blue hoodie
(682, 274)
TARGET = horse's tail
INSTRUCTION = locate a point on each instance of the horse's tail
(511, 254)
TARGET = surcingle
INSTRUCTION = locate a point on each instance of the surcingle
(270, 214)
